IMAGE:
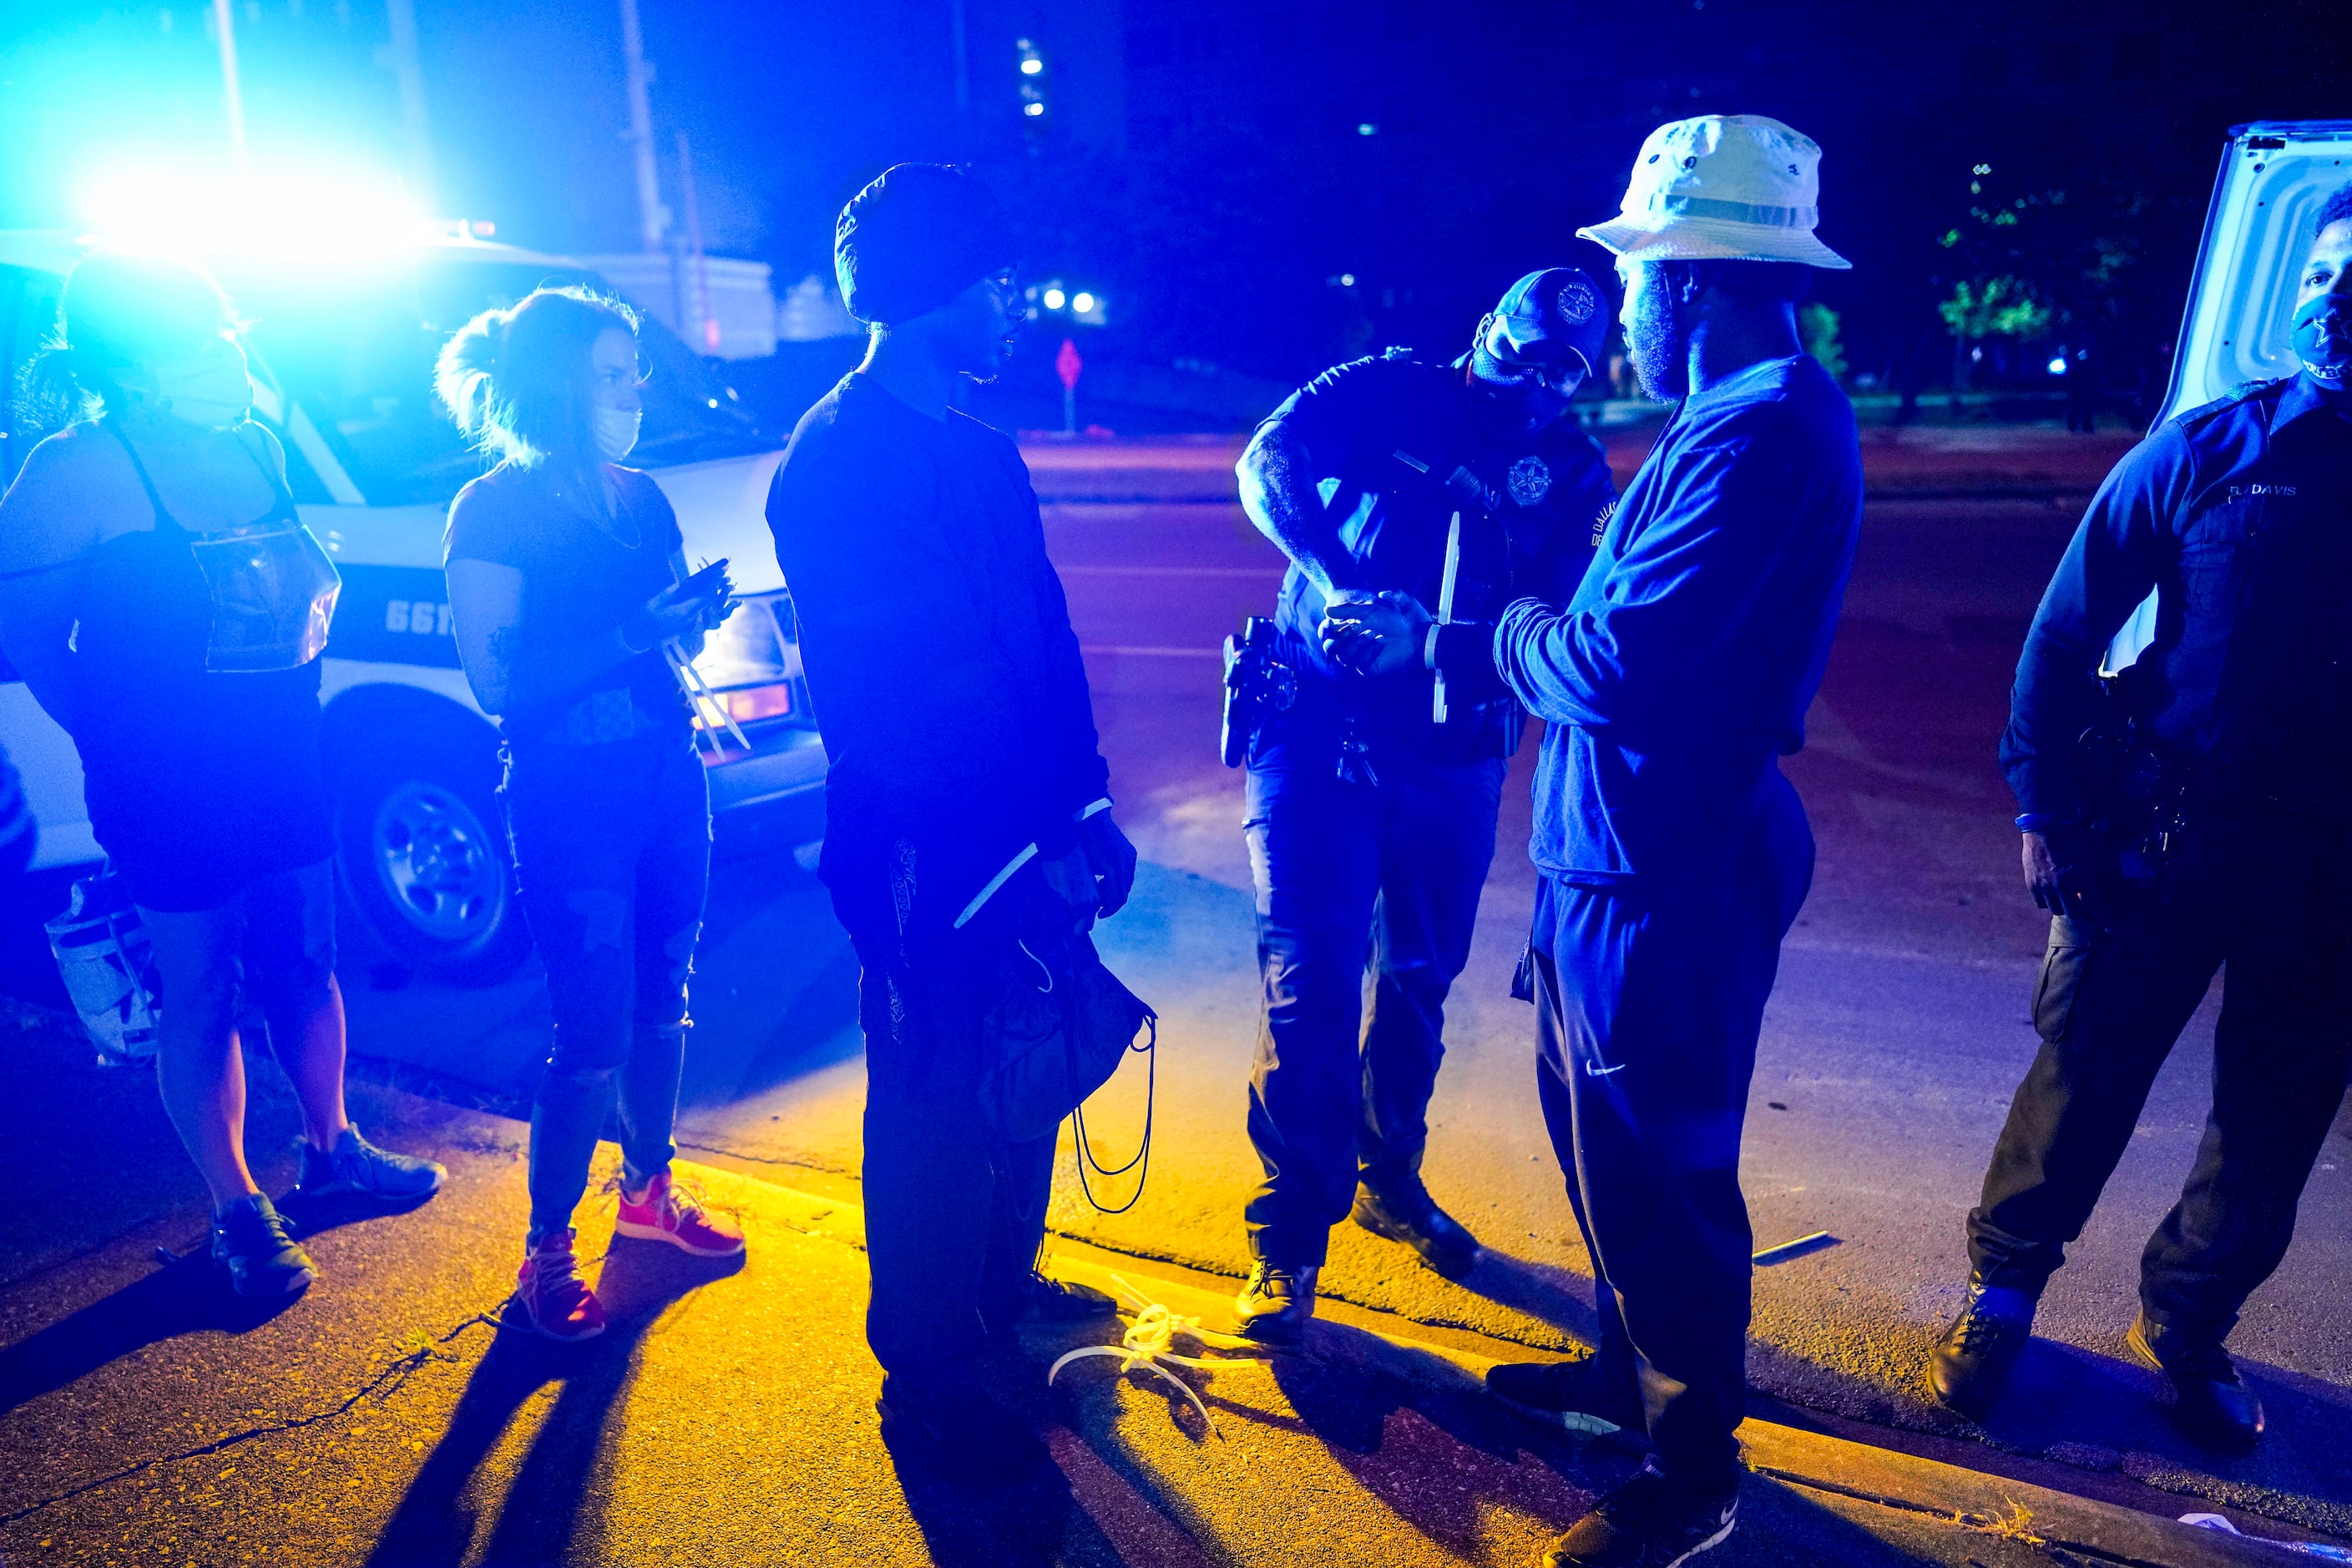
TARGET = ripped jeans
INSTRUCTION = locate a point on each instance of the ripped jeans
(612, 849)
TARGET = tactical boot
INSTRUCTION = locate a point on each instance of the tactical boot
(2210, 1401)
(1403, 1211)
(1583, 1394)
(1273, 1307)
(1972, 1360)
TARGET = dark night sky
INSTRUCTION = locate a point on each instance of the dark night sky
(1203, 162)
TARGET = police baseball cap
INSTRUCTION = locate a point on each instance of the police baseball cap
(1557, 308)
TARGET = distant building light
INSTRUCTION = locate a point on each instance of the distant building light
(1033, 110)
(2057, 364)
(1082, 303)
(1032, 66)
(1054, 299)
(1346, 280)
(1366, 128)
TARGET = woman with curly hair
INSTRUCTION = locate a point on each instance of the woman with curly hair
(570, 593)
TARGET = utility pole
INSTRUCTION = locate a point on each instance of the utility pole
(410, 76)
(653, 218)
(225, 32)
(709, 329)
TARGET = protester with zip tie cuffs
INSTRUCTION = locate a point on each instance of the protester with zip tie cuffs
(1415, 500)
(1675, 855)
(570, 595)
(165, 604)
(967, 811)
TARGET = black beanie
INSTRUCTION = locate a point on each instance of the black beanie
(915, 239)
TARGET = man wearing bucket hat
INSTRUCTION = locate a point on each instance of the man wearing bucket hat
(1674, 853)
(967, 806)
(1407, 493)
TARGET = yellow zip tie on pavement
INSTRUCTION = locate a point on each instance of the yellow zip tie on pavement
(1148, 1343)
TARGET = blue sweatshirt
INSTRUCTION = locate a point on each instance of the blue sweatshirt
(1684, 664)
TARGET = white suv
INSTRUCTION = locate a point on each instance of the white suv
(342, 361)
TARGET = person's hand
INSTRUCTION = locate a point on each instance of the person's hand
(2060, 881)
(678, 612)
(1071, 880)
(1112, 860)
(1380, 636)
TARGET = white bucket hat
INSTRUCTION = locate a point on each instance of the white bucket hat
(1733, 187)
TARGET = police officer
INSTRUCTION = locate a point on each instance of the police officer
(1449, 488)
(2199, 822)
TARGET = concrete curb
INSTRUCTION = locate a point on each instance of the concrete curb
(1350, 1338)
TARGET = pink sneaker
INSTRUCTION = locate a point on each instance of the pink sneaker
(663, 1214)
(555, 1300)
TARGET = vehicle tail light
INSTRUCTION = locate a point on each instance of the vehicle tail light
(752, 702)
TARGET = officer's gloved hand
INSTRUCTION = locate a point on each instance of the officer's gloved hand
(2061, 875)
(1382, 635)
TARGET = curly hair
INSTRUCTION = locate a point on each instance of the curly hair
(516, 380)
(118, 312)
(2335, 209)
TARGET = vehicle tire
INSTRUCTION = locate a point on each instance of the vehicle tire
(422, 849)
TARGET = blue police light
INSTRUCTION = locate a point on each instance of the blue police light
(285, 218)
(2057, 365)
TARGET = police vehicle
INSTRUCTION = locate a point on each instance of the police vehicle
(342, 358)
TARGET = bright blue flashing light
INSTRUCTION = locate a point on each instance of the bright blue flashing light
(286, 217)
(2057, 364)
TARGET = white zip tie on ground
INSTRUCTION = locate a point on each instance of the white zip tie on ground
(1146, 1344)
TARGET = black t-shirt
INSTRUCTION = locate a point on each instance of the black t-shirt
(939, 654)
(579, 583)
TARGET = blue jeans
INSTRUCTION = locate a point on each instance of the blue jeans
(1381, 875)
(612, 849)
(1649, 999)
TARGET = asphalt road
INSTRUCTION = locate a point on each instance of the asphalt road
(1898, 1030)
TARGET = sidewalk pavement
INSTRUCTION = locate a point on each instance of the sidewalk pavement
(148, 1416)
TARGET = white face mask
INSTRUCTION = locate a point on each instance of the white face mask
(616, 430)
(211, 390)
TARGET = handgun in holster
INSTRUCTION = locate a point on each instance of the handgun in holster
(1258, 685)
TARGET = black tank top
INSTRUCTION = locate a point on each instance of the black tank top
(159, 735)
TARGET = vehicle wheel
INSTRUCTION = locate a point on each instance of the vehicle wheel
(424, 860)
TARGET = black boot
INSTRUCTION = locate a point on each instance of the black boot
(1041, 1299)
(2210, 1401)
(1972, 1360)
(1275, 1305)
(1403, 1211)
(1577, 1394)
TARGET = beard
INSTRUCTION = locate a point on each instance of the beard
(1653, 341)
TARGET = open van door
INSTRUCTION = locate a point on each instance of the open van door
(2274, 176)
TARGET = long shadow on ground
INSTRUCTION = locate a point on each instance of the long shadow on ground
(553, 1500)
